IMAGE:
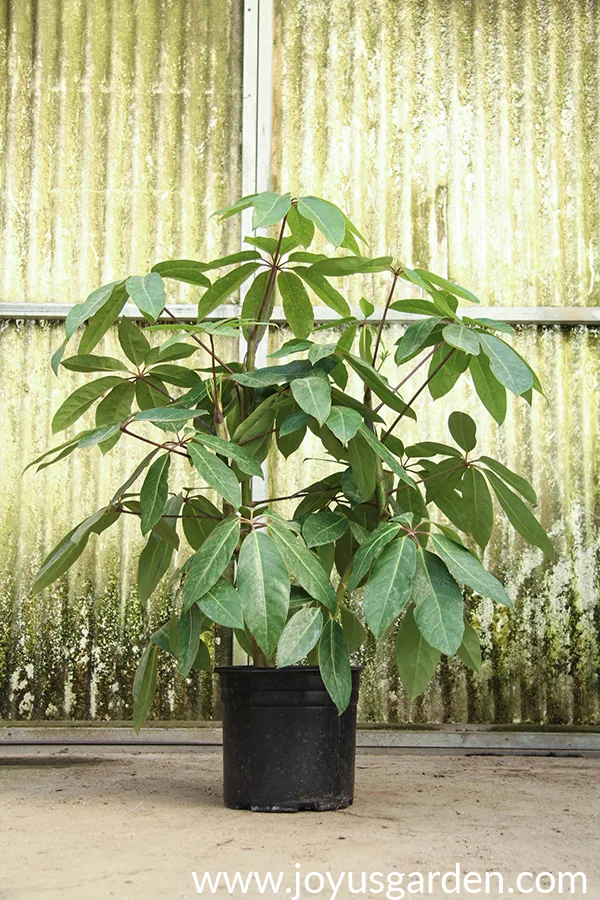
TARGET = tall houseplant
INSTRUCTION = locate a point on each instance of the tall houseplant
(390, 518)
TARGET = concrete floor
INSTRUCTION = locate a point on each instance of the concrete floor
(135, 822)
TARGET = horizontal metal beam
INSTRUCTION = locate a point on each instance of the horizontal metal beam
(514, 315)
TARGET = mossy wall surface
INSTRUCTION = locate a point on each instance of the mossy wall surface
(460, 135)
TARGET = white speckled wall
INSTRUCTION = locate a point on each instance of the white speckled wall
(460, 134)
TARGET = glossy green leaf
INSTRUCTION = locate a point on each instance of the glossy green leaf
(368, 552)
(323, 527)
(362, 460)
(200, 518)
(416, 659)
(466, 568)
(294, 345)
(90, 363)
(232, 259)
(148, 293)
(463, 430)
(155, 492)
(321, 351)
(187, 270)
(57, 356)
(151, 393)
(414, 338)
(384, 454)
(388, 589)
(313, 395)
(269, 208)
(216, 473)
(270, 375)
(167, 415)
(296, 304)
(103, 319)
(223, 288)
(81, 400)
(447, 285)
(469, 651)
(210, 561)
(520, 517)
(519, 483)
(478, 505)
(377, 383)
(264, 586)
(342, 399)
(506, 365)
(324, 291)
(354, 632)
(489, 390)
(431, 448)
(438, 604)
(451, 369)
(133, 341)
(203, 662)
(302, 229)
(343, 422)
(153, 563)
(299, 636)
(238, 206)
(144, 686)
(86, 310)
(116, 405)
(223, 604)
(334, 663)
(251, 307)
(237, 454)
(416, 306)
(294, 422)
(462, 338)
(327, 218)
(303, 565)
(188, 639)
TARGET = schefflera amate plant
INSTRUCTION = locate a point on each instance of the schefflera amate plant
(390, 518)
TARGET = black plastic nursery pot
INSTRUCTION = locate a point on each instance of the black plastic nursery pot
(285, 747)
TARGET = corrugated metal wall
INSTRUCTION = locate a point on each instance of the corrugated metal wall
(460, 134)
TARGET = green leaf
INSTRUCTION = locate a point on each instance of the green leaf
(150, 394)
(462, 338)
(168, 352)
(233, 258)
(273, 374)
(57, 357)
(416, 306)
(350, 265)
(180, 376)
(342, 399)
(449, 373)
(438, 604)
(303, 565)
(493, 324)
(86, 310)
(520, 484)
(264, 586)
(328, 218)
(301, 228)
(216, 474)
(353, 630)
(489, 390)
(478, 506)
(155, 492)
(362, 461)
(245, 461)
(135, 475)
(323, 527)
(299, 636)
(334, 663)
(313, 395)
(367, 308)
(90, 363)
(103, 319)
(368, 552)
(294, 345)
(269, 208)
(80, 401)
(251, 307)
(467, 569)
(431, 448)
(116, 406)
(187, 270)
(324, 291)
(469, 651)
(447, 285)
(223, 604)
(203, 662)
(377, 383)
(294, 422)
(414, 338)
(463, 430)
(188, 629)
(144, 686)
(388, 589)
(133, 341)
(153, 563)
(506, 365)
(200, 518)
(520, 517)
(98, 435)
(384, 454)
(321, 351)
(148, 293)
(343, 422)
(416, 659)
(167, 416)
(296, 304)
(223, 288)
(209, 562)
(237, 207)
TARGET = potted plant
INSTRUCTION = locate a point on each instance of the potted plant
(401, 523)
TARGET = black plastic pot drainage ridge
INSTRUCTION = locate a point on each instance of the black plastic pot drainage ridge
(285, 748)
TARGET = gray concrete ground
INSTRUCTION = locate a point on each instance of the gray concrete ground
(136, 822)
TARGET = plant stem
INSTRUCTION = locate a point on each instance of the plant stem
(154, 443)
(384, 316)
(414, 397)
(255, 336)
(411, 373)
